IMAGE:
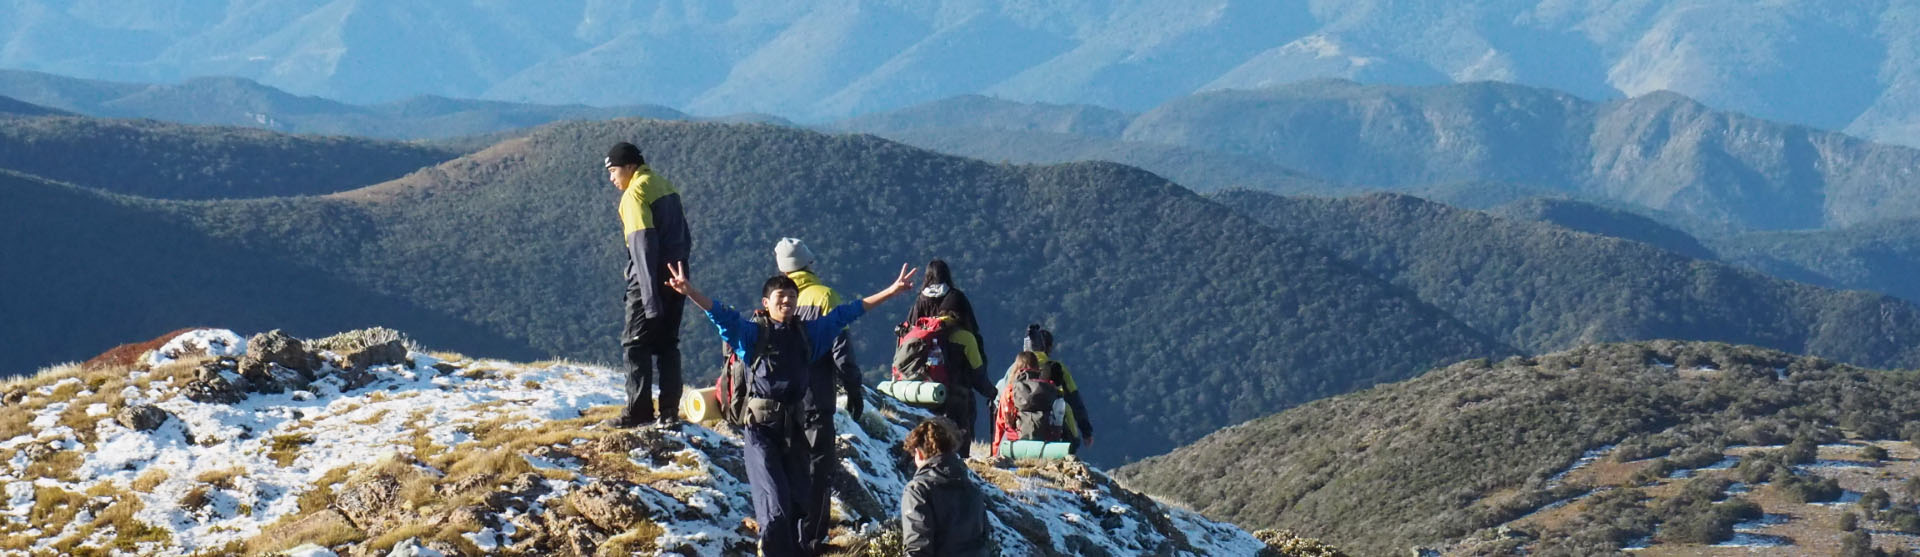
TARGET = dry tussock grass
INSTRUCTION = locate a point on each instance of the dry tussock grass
(222, 479)
(150, 479)
(283, 449)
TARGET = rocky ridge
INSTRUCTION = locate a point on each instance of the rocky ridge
(362, 444)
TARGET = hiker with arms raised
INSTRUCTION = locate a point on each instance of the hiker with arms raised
(655, 230)
(794, 258)
(780, 347)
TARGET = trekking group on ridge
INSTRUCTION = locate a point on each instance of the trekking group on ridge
(785, 359)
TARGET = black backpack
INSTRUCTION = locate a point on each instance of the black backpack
(1032, 397)
(730, 390)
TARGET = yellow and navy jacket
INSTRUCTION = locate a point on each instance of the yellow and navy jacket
(814, 301)
(656, 233)
(974, 374)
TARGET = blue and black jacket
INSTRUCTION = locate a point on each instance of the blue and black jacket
(784, 375)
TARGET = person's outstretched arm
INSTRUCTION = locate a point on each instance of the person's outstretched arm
(822, 331)
(735, 330)
(677, 280)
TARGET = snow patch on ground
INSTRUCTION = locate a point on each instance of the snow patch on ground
(211, 342)
(1586, 459)
(326, 427)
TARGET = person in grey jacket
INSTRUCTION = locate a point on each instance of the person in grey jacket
(942, 512)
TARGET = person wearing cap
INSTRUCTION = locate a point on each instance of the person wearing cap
(655, 231)
(795, 259)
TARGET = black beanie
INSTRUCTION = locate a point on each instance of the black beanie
(623, 154)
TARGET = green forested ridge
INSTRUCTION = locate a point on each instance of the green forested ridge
(1201, 170)
(1153, 291)
(1598, 219)
(86, 271)
(1540, 287)
(1883, 257)
(1478, 444)
(173, 161)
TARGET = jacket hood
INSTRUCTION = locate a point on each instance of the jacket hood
(946, 469)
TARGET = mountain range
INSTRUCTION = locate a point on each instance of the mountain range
(1713, 172)
(1843, 67)
(230, 101)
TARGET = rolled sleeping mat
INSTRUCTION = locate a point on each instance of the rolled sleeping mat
(699, 406)
(1039, 449)
(917, 393)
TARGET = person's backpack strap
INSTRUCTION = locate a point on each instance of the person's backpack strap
(765, 325)
(806, 343)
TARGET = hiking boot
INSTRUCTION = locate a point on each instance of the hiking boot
(625, 422)
(668, 422)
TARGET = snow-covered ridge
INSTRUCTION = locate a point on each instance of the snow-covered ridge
(442, 453)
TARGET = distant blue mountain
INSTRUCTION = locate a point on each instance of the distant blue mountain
(1834, 65)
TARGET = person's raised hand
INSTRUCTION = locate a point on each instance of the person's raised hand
(677, 278)
(904, 282)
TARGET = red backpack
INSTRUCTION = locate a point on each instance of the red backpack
(921, 354)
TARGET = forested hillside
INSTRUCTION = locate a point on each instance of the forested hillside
(1543, 288)
(1883, 256)
(87, 271)
(173, 161)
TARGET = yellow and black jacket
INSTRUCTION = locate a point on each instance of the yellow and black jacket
(815, 300)
(1079, 423)
(656, 233)
(972, 365)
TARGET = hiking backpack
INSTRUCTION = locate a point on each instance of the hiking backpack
(1031, 400)
(921, 354)
(730, 390)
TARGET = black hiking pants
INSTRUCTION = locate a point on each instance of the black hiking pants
(652, 345)
(959, 407)
(819, 430)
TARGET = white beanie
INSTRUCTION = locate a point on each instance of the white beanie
(792, 255)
